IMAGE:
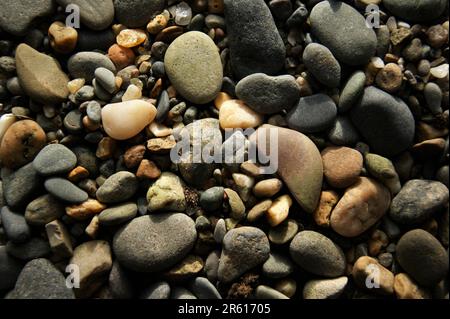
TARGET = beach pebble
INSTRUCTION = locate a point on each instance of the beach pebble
(118, 188)
(363, 273)
(96, 15)
(65, 190)
(54, 159)
(342, 166)
(322, 64)
(167, 194)
(325, 288)
(15, 226)
(83, 64)
(118, 214)
(236, 114)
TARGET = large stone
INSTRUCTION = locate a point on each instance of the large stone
(416, 11)
(194, 67)
(254, 42)
(166, 194)
(137, 13)
(95, 14)
(343, 30)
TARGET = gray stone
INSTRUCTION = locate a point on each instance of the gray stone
(243, 249)
(298, 17)
(173, 238)
(87, 159)
(137, 13)
(254, 42)
(118, 214)
(158, 290)
(15, 226)
(212, 265)
(182, 293)
(343, 30)
(31, 249)
(59, 239)
(94, 111)
(317, 254)
(277, 266)
(220, 230)
(106, 79)
(312, 114)
(266, 292)
(322, 64)
(416, 11)
(352, 91)
(325, 288)
(204, 289)
(433, 95)
(86, 93)
(211, 200)
(95, 14)
(73, 122)
(417, 201)
(384, 121)
(84, 64)
(118, 188)
(166, 194)
(343, 132)
(65, 190)
(54, 159)
(10, 268)
(268, 94)
(119, 282)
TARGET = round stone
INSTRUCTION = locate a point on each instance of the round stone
(343, 132)
(158, 290)
(14, 225)
(173, 237)
(341, 166)
(212, 199)
(236, 114)
(322, 64)
(194, 67)
(283, 233)
(106, 79)
(118, 214)
(390, 78)
(54, 159)
(166, 194)
(277, 266)
(65, 190)
(118, 188)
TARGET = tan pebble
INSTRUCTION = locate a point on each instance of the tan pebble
(342, 166)
(390, 78)
(159, 130)
(157, 89)
(328, 199)
(106, 148)
(440, 72)
(169, 34)
(406, 288)
(92, 229)
(75, 85)
(6, 121)
(89, 125)
(148, 170)
(287, 286)
(279, 210)
(130, 38)
(125, 120)
(85, 210)
(259, 210)
(215, 6)
(157, 24)
(59, 239)
(162, 144)
(121, 56)
(267, 187)
(251, 169)
(78, 174)
(377, 242)
(172, 92)
(437, 36)
(186, 269)
(221, 98)
(63, 39)
(235, 114)
(134, 155)
(366, 269)
(133, 92)
(119, 82)
(243, 185)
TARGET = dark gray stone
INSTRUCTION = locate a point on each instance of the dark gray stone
(322, 64)
(34, 248)
(54, 159)
(10, 268)
(163, 107)
(416, 11)
(212, 265)
(118, 188)
(94, 111)
(73, 122)
(106, 79)
(212, 199)
(137, 13)
(277, 266)
(119, 282)
(95, 14)
(15, 226)
(65, 190)
(84, 64)
(343, 132)
(118, 214)
(204, 289)
(87, 159)
(298, 17)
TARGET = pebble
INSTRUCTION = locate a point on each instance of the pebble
(93, 14)
(166, 194)
(163, 107)
(9, 270)
(328, 200)
(390, 78)
(54, 159)
(236, 114)
(384, 121)
(406, 288)
(322, 64)
(433, 96)
(342, 166)
(120, 56)
(95, 262)
(352, 91)
(418, 200)
(158, 290)
(43, 210)
(118, 188)
(188, 268)
(277, 266)
(287, 286)
(237, 207)
(157, 24)
(181, 293)
(342, 29)
(325, 288)
(383, 170)
(130, 38)
(437, 36)
(268, 94)
(254, 42)
(219, 231)
(418, 11)
(125, 120)
(343, 132)
(40, 279)
(33, 248)
(211, 200)
(148, 170)
(312, 114)
(117, 215)
(267, 188)
(83, 64)
(423, 257)
(20, 16)
(160, 130)
(137, 13)
(63, 39)
(119, 282)
(65, 190)
(15, 227)
(194, 68)
(243, 249)
(85, 210)
(173, 238)
(317, 254)
(259, 210)
(106, 79)
(279, 211)
(265, 292)
(133, 92)
(59, 239)
(364, 270)
(6, 120)
(204, 289)
(212, 265)
(361, 206)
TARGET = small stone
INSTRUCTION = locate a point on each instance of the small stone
(117, 215)
(343, 132)
(287, 286)
(259, 210)
(54, 159)
(325, 288)
(265, 292)
(161, 145)
(78, 174)
(73, 122)
(120, 56)
(133, 92)
(413, 51)
(440, 72)
(215, 6)
(433, 95)
(183, 14)
(352, 91)
(342, 166)
(118, 188)
(160, 130)
(166, 193)
(186, 269)
(83, 64)
(157, 24)
(211, 200)
(406, 288)
(85, 210)
(277, 266)
(93, 227)
(59, 239)
(65, 190)
(390, 78)
(181, 293)
(204, 289)
(382, 169)
(236, 205)
(134, 156)
(243, 185)
(14, 226)
(365, 267)
(148, 170)
(106, 79)
(130, 38)
(322, 215)
(43, 210)
(267, 188)
(163, 107)
(400, 35)
(6, 120)
(63, 39)
(219, 231)
(235, 114)
(322, 64)
(437, 36)
(279, 210)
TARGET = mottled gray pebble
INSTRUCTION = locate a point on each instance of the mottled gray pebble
(54, 159)
(65, 190)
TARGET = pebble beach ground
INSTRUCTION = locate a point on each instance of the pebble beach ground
(92, 204)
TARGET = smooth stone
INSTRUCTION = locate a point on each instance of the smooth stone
(384, 121)
(343, 30)
(166, 194)
(87, 159)
(173, 237)
(343, 132)
(406, 288)
(416, 11)
(106, 79)
(268, 94)
(433, 96)
(119, 282)
(181, 293)
(299, 165)
(163, 107)
(284, 233)
(325, 288)
(212, 265)
(41, 76)
(117, 215)
(312, 114)
(254, 42)
(96, 15)
(212, 199)
(83, 65)
(125, 120)
(277, 266)
(54, 159)
(6, 120)
(194, 67)
(118, 188)
(220, 231)
(20, 186)
(423, 257)
(236, 114)
(259, 210)
(59, 239)
(73, 122)
(137, 13)
(15, 226)
(279, 210)
(322, 64)
(317, 254)
(267, 187)
(65, 190)
(243, 249)
(352, 91)
(10, 269)
(95, 262)
(361, 206)
(237, 207)
(204, 289)
(365, 268)
(40, 279)
(94, 111)
(383, 170)
(341, 166)
(31, 249)
(298, 17)
(158, 290)
(266, 292)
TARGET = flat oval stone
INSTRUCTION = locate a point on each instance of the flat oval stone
(342, 166)
(352, 91)
(254, 42)
(95, 14)
(65, 190)
(362, 205)
(325, 288)
(83, 65)
(268, 94)
(173, 237)
(322, 64)
(117, 215)
(14, 225)
(416, 11)
(317, 254)
(41, 76)
(343, 30)
(43, 210)
(384, 121)
(125, 120)
(118, 188)
(194, 67)
(54, 159)
(137, 13)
